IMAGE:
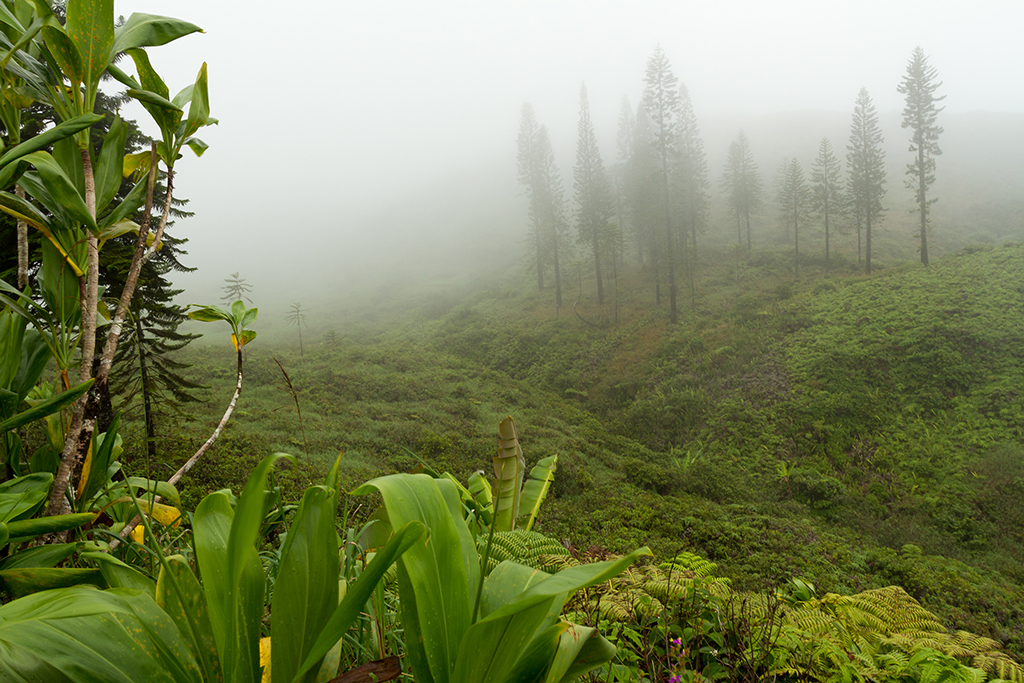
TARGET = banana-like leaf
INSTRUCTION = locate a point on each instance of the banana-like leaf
(199, 110)
(197, 146)
(83, 635)
(357, 593)
(65, 52)
(46, 139)
(97, 460)
(580, 650)
(150, 30)
(179, 594)
(433, 581)
(90, 25)
(41, 556)
(62, 188)
(23, 530)
(47, 407)
(306, 588)
(22, 495)
(25, 581)
(509, 468)
(108, 165)
(117, 574)
(492, 646)
(536, 488)
(120, 213)
(209, 314)
(163, 489)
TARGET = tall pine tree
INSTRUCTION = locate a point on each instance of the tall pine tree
(528, 160)
(919, 115)
(742, 183)
(795, 198)
(866, 163)
(551, 206)
(827, 196)
(694, 183)
(661, 100)
(593, 191)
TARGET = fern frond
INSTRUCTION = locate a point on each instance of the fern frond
(524, 547)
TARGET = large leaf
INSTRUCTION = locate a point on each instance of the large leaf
(306, 588)
(108, 166)
(41, 556)
(535, 490)
(199, 110)
(509, 468)
(23, 495)
(65, 53)
(47, 407)
(47, 138)
(179, 594)
(437, 582)
(150, 30)
(90, 25)
(358, 593)
(117, 574)
(53, 524)
(27, 580)
(116, 222)
(83, 635)
(580, 649)
(94, 470)
(61, 188)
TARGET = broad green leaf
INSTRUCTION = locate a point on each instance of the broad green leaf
(149, 78)
(179, 594)
(4, 534)
(509, 468)
(435, 571)
(211, 527)
(62, 188)
(48, 407)
(197, 146)
(40, 556)
(163, 489)
(129, 205)
(90, 25)
(199, 110)
(25, 581)
(137, 163)
(34, 357)
(8, 18)
(358, 593)
(157, 105)
(150, 30)
(238, 312)
(83, 634)
(94, 470)
(580, 650)
(68, 156)
(23, 494)
(123, 78)
(30, 528)
(209, 314)
(47, 138)
(65, 52)
(535, 490)
(117, 574)
(109, 164)
(21, 210)
(249, 318)
(307, 584)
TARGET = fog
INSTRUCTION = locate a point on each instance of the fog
(361, 143)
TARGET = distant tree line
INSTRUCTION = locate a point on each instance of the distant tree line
(654, 202)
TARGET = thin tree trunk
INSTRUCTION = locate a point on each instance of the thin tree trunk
(867, 242)
(147, 402)
(558, 276)
(922, 200)
(22, 245)
(80, 434)
(826, 235)
(597, 268)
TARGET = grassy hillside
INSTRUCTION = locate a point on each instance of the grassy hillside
(856, 431)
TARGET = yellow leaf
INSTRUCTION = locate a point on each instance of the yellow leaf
(265, 659)
(138, 533)
(166, 514)
(84, 478)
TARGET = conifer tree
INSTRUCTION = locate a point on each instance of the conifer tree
(866, 162)
(795, 198)
(551, 208)
(528, 161)
(593, 191)
(920, 114)
(661, 100)
(827, 197)
(742, 183)
(694, 182)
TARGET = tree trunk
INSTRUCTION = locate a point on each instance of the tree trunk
(147, 399)
(922, 194)
(22, 245)
(597, 268)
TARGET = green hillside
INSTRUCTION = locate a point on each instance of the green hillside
(857, 432)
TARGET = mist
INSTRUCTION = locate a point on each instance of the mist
(366, 145)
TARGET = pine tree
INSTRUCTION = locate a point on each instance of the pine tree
(693, 178)
(742, 183)
(661, 100)
(866, 163)
(551, 209)
(528, 160)
(920, 115)
(795, 198)
(593, 192)
(827, 197)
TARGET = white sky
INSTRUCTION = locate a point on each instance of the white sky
(337, 116)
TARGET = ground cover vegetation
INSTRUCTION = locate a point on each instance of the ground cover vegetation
(824, 464)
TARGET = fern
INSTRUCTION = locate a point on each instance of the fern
(525, 547)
